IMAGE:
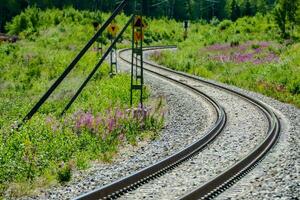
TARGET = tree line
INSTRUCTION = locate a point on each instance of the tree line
(177, 9)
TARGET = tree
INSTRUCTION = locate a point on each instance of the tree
(181, 9)
(178, 9)
(235, 10)
(220, 9)
(286, 16)
(248, 9)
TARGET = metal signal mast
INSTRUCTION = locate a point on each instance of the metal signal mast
(137, 69)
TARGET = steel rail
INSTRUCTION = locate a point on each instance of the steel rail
(74, 62)
(129, 183)
(226, 179)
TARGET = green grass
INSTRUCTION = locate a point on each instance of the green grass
(278, 79)
(46, 149)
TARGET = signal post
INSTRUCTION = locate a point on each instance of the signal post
(137, 70)
(113, 30)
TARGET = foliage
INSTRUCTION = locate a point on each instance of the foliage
(248, 53)
(64, 174)
(235, 10)
(173, 9)
(285, 16)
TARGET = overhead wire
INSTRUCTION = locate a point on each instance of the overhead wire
(157, 4)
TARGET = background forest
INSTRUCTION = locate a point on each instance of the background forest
(177, 9)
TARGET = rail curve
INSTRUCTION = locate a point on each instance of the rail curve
(216, 185)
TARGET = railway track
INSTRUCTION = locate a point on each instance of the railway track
(221, 182)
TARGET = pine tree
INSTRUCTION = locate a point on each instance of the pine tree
(248, 9)
(235, 10)
(220, 9)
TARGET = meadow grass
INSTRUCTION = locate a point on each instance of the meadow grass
(46, 149)
(248, 53)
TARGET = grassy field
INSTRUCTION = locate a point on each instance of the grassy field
(48, 148)
(248, 53)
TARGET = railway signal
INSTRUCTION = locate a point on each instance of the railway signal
(139, 22)
(137, 69)
(113, 29)
(140, 25)
(138, 37)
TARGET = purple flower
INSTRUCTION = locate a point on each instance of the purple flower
(52, 123)
(85, 120)
(111, 124)
(218, 47)
(244, 53)
(264, 44)
(98, 121)
(49, 120)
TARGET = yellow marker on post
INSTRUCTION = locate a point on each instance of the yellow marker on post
(138, 36)
(139, 23)
(113, 29)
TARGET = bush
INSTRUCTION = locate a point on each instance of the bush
(225, 25)
(215, 21)
(294, 88)
(272, 67)
(64, 174)
(27, 20)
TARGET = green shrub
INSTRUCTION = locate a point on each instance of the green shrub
(225, 24)
(64, 174)
(28, 20)
(294, 87)
(255, 46)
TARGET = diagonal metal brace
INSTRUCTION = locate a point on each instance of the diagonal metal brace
(97, 66)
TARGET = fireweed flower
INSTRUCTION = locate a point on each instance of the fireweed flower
(98, 121)
(113, 120)
(50, 121)
(246, 52)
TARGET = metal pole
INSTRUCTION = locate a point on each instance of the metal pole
(132, 59)
(111, 59)
(142, 67)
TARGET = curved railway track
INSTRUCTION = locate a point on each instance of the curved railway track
(216, 185)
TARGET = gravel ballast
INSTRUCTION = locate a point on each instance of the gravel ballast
(246, 128)
(278, 175)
